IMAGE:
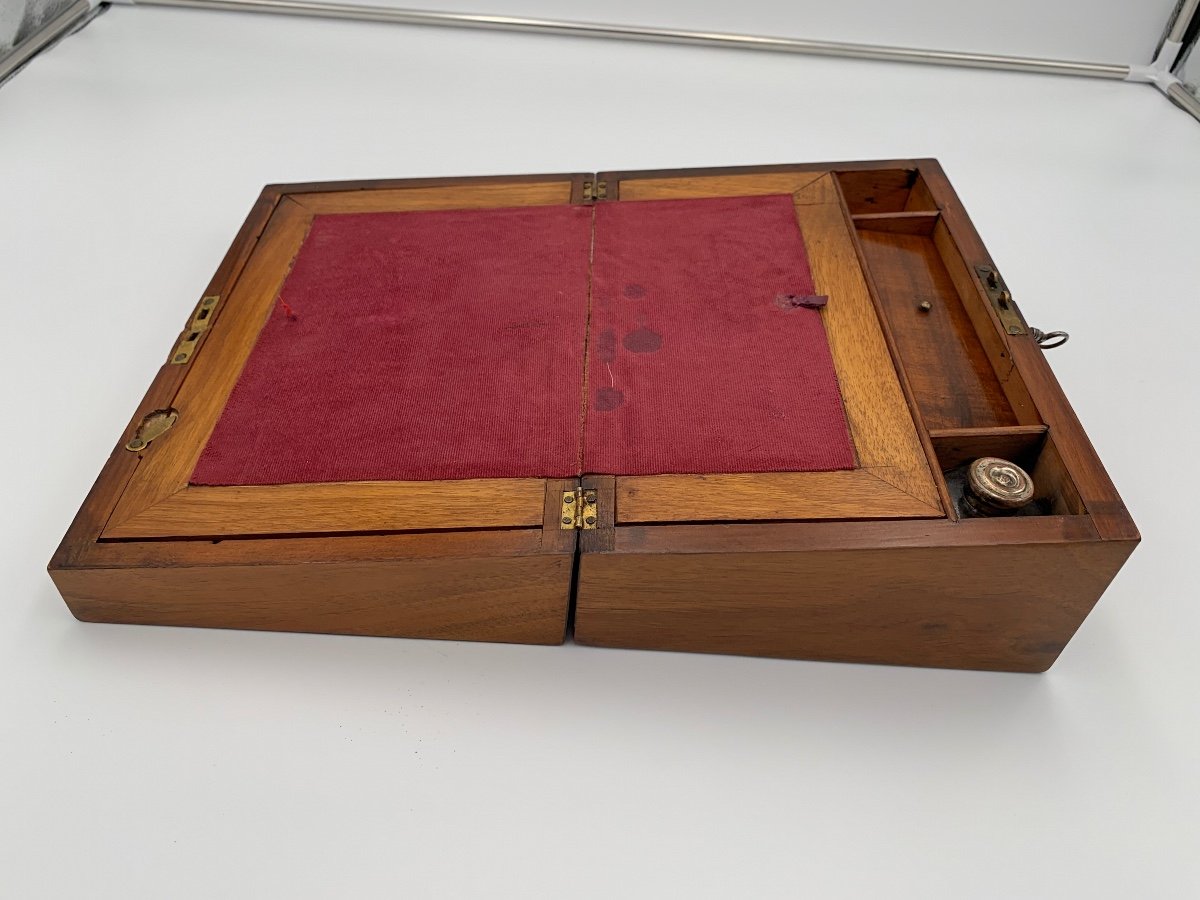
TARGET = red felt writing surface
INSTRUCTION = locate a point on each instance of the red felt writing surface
(707, 352)
(416, 346)
(450, 345)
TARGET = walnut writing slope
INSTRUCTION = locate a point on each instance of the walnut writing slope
(718, 410)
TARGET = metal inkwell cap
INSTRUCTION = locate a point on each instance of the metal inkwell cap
(999, 484)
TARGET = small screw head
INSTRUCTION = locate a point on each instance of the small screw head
(924, 306)
(136, 444)
(591, 520)
(570, 498)
(591, 498)
(567, 520)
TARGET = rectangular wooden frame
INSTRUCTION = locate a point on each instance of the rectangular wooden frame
(893, 478)
(158, 500)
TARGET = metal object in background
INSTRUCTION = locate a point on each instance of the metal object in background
(1184, 14)
(1156, 73)
(1174, 49)
(74, 16)
(1184, 99)
(659, 35)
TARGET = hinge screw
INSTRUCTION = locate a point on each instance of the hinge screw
(591, 520)
(567, 520)
(568, 499)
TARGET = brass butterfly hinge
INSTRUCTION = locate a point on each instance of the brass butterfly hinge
(579, 509)
(201, 320)
(595, 190)
(156, 424)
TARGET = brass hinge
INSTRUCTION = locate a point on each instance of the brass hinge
(593, 191)
(579, 509)
(201, 319)
(1002, 300)
(156, 424)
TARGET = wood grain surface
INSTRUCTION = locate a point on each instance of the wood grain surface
(159, 501)
(893, 477)
(954, 383)
(514, 599)
(459, 196)
(963, 607)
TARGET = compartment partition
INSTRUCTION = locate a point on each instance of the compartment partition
(954, 382)
(970, 398)
(956, 361)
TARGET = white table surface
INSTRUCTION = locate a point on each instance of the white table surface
(171, 763)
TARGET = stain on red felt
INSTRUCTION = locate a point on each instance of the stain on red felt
(642, 340)
(606, 345)
(715, 374)
(431, 345)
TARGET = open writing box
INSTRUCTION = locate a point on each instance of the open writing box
(704, 410)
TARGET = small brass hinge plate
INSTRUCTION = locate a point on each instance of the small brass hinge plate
(156, 424)
(201, 320)
(595, 190)
(579, 509)
(1002, 300)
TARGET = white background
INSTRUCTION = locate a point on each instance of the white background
(156, 762)
(1116, 31)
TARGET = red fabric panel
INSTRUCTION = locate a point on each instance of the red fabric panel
(419, 345)
(705, 354)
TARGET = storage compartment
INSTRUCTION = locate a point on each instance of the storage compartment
(953, 381)
(885, 191)
(1029, 446)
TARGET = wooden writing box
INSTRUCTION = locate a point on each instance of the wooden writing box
(480, 408)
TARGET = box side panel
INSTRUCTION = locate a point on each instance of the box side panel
(1009, 608)
(515, 599)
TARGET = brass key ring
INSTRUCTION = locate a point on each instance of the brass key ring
(1048, 340)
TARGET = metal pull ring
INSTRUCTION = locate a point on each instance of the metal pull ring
(1048, 340)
